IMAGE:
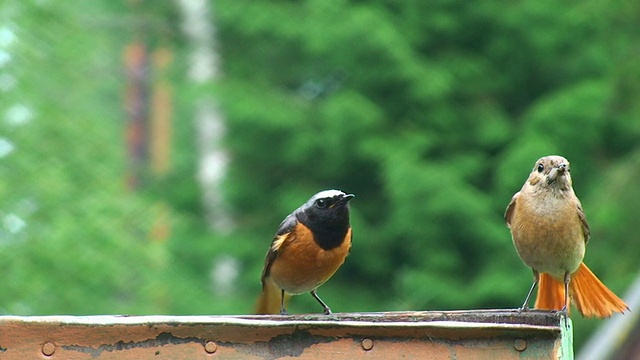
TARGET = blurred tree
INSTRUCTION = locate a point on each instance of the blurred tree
(64, 179)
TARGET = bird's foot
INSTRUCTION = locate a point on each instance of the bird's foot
(563, 312)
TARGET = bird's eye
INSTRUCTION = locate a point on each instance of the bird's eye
(321, 203)
(540, 168)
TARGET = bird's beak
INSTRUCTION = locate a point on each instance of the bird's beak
(557, 171)
(344, 199)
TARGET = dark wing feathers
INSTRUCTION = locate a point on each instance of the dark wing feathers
(585, 225)
(284, 230)
(286, 225)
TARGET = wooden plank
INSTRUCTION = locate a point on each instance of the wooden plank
(484, 334)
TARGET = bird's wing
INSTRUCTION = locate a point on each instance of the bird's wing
(284, 231)
(583, 221)
(509, 211)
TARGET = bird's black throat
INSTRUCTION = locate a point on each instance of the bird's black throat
(328, 229)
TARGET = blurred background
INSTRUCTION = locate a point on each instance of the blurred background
(149, 149)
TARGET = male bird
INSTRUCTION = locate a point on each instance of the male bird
(309, 246)
(550, 233)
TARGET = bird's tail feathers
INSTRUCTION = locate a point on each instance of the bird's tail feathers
(269, 301)
(590, 296)
(550, 293)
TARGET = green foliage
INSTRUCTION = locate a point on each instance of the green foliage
(432, 113)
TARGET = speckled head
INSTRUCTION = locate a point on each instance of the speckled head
(551, 171)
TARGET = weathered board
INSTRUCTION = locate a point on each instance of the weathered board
(479, 334)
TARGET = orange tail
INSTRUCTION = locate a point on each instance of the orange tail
(592, 297)
(550, 293)
(589, 294)
(269, 300)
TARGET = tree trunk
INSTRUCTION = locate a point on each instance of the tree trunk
(210, 128)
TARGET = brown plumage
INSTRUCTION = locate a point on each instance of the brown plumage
(308, 248)
(550, 233)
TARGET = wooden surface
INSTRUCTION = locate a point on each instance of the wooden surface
(483, 334)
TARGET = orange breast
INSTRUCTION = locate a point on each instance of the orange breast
(301, 265)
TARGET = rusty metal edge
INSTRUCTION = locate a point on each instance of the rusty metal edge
(244, 330)
(342, 320)
(220, 320)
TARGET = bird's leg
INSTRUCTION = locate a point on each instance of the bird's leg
(536, 278)
(327, 310)
(567, 280)
(283, 311)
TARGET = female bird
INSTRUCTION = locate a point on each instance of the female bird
(550, 233)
